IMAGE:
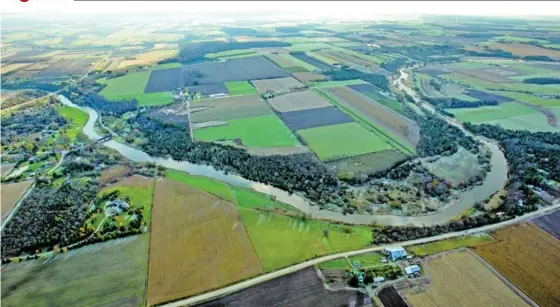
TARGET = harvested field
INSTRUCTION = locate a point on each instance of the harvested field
(13, 67)
(302, 288)
(298, 101)
(346, 58)
(148, 58)
(341, 141)
(6, 168)
(399, 126)
(309, 77)
(391, 298)
(526, 50)
(317, 117)
(550, 223)
(112, 273)
(227, 108)
(279, 85)
(448, 244)
(313, 61)
(485, 75)
(255, 131)
(164, 80)
(113, 173)
(11, 194)
(209, 89)
(67, 67)
(287, 61)
(365, 164)
(373, 93)
(198, 243)
(213, 123)
(432, 72)
(133, 181)
(480, 95)
(529, 258)
(459, 279)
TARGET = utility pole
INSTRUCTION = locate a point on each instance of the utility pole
(187, 105)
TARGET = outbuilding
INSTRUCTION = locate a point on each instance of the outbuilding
(396, 253)
(410, 270)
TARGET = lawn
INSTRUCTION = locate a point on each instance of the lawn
(132, 86)
(367, 260)
(336, 83)
(282, 240)
(336, 264)
(246, 198)
(77, 117)
(342, 140)
(112, 273)
(483, 114)
(240, 88)
(255, 131)
(205, 184)
(449, 244)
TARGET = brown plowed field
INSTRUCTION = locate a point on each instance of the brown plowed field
(529, 258)
(391, 298)
(526, 49)
(403, 128)
(113, 173)
(277, 85)
(459, 279)
(11, 193)
(485, 75)
(550, 223)
(227, 108)
(309, 76)
(198, 243)
(298, 101)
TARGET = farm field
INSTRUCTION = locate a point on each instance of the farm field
(486, 85)
(544, 102)
(342, 140)
(484, 114)
(535, 122)
(205, 184)
(528, 257)
(113, 173)
(246, 198)
(228, 108)
(302, 288)
(449, 244)
(317, 117)
(255, 131)
(298, 101)
(288, 61)
(459, 279)
(549, 223)
(214, 88)
(520, 49)
(327, 84)
(336, 264)
(484, 96)
(391, 298)
(312, 61)
(279, 85)
(240, 88)
(194, 232)
(11, 194)
(306, 77)
(102, 274)
(281, 240)
(372, 93)
(6, 168)
(365, 164)
(400, 128)
(131, 86)
(77, 117)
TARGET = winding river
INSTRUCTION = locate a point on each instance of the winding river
(494, 181)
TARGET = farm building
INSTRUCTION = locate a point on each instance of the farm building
(379, 279)
(413, 269)
(395, 253)
(114, 207)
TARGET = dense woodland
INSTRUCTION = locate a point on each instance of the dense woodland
(542, 81)
(454, 103)
(437, 137)
(28, 121)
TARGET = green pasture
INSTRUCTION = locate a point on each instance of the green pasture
(326, 84)
(250, 199)
(449, 244)
(298, 63)
(205, 184)
(539, 101)
(305, 47)
(517, 39)
(483, 114)
(281, 240)
(254, 131)
(483, 85)
(77, 117)
(535, 122)
(132, 86)
(342, 140)
(367, 260)
(240, 88)
(335, 264)
(230, 53)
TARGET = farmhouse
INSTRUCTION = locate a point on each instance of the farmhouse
(395, 253)
(413, 269)
(114, 207)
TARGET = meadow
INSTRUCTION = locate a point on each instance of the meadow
(198, 243)
(77, 117)
(535, 100)
(255, 131)
(368, 259)
(281, 240)
(327, 84)
(245, 198)
(449, 244)
(528, 257)
(240, 88)
(365, 164)
(459, 279)
(342, 140)
(336, 264)
(132, 85)
(456, 168)
(205, 184)
(483, 114)
(535, 122)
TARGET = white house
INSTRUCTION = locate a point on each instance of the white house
(409, 270)
(396, 253)
(114, 207)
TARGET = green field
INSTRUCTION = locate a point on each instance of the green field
(77, 117)
(132, 86)
(308, 47)
(342, 140)
(449, 244)
(387, 102)
(254, 131)
(483, 85)
(282, 240)
(205, 184)
(230, 53)
(336, 264)
(535, 122)
(325, 84)
(545, 102)
(517, 39)
(105, 274)
(246, 198)
(367, 260)
(471, 65)
(483, 114)
(240, 88)
(167, 65)
(298, 62)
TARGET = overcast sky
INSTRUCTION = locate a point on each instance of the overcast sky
(316, 9)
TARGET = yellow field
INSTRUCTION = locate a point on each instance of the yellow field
(148, 58)
(459, 279)
(11, 193)
(11, 67)
(198, 243)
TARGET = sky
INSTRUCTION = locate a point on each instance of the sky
(312, 9)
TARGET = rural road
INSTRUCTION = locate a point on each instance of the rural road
(20, 201)
(266, 277)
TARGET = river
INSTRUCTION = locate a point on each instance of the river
(494, 182)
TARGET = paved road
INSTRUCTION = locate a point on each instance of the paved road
(263, 278)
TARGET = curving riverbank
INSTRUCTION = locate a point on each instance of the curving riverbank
(494, 181)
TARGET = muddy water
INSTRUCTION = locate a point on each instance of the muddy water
(494, 182)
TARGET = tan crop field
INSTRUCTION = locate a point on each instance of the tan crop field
(485, 75)
(228, 108)
(11, 193)
(298, 101)
(398, 125)
(198, 243)
(113, 173)
(529, 258)
(277, 85)
(309, 77)
(526, 50)
(148, 58)
(12, 67)
(459, 279)
(134, 181)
